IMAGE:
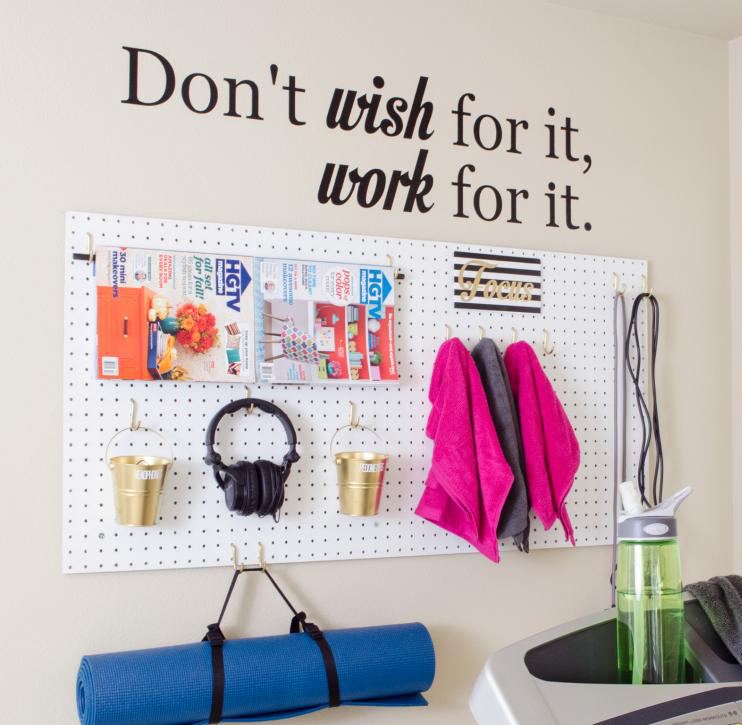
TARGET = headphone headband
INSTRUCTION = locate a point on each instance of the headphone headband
(215, 460)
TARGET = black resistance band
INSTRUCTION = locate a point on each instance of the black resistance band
(216, 638)
(619, 420)
(650, 422)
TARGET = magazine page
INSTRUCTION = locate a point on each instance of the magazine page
(174, 316)
(319, 322)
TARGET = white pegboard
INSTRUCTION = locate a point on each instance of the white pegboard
(196, 528)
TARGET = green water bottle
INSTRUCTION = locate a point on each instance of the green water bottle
(650, 615)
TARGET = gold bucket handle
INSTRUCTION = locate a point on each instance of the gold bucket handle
(139, 428)
(355, 422)
(352, 425)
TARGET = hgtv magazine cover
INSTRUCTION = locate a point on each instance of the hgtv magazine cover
(320, 322)
(174, 316)
(166, 315)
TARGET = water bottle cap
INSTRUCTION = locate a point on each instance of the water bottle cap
(632, 509)
(647, 528)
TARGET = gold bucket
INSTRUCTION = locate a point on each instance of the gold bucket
(360, 477)
(138, 482)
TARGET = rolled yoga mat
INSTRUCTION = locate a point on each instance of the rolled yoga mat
(266, 678)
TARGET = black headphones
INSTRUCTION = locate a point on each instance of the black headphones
(252, 487)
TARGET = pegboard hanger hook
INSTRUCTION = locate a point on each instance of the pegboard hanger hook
(238, 566)
(247, 395)
(261, 556)
(645, 285)
(235, 564)
(395, 272)
(618, 288)
(448, 330)
(134, 424)
(547, 349)
(355, 421)
(481, 332)
(514, 335)
(89, 256)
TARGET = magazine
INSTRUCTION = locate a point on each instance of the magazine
(174, 315)
(321, 322)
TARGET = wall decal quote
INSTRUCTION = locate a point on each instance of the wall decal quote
(373, 112)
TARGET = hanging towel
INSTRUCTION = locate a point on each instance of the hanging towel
(550, 448)
(469, 478)
(721, 599)
(514, 516)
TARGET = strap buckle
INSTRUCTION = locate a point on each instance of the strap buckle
(298, 622)
(214, 636)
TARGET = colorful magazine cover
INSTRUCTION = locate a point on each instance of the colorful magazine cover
(174, 316)
(319, 322)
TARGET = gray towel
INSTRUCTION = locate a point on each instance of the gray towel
(721, 599)
(514, 517)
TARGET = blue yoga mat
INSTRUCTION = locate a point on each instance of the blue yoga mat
(267, 678)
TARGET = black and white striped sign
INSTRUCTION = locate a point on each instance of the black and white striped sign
(497, 282)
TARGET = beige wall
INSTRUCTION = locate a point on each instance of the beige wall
(735, 259)
(652, 108)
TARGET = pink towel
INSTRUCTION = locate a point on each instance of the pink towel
(550, 447)
(469, 479)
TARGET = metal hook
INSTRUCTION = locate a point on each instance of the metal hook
(547, 350)
(354, 421)
(395, 272)
(448, 330)
(247, 395)
(514, 336)
(644, 286)
(134, 424)
(91, 248)
(616, 289)
(481, 332)
(237, 566)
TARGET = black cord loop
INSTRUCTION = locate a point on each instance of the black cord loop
(650, 421)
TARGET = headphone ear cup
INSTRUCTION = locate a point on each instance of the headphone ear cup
(240, 488)
(266, 486)
(234, 490)
(279, 487)
(252, 485)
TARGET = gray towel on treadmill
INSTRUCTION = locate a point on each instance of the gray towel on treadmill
(721, 599)
(514, 517)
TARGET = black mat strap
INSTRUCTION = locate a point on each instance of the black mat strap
(299, 622)
(216, 638)
(333, 684)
